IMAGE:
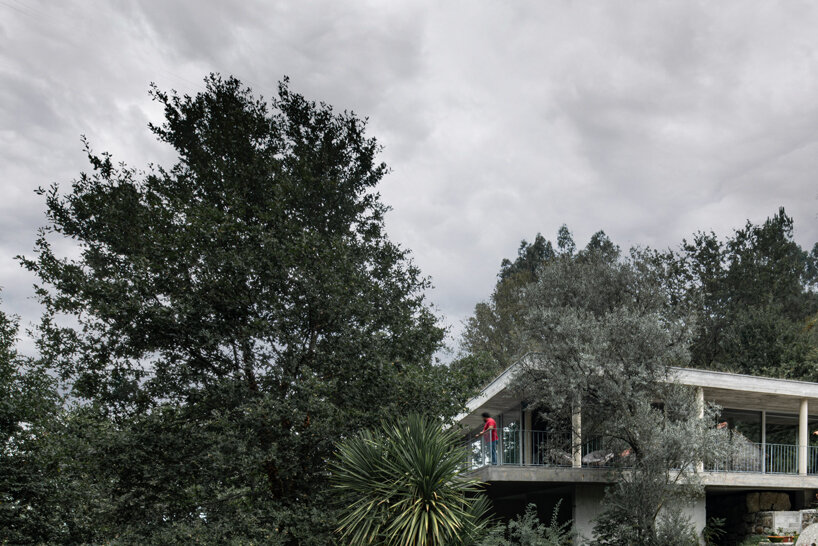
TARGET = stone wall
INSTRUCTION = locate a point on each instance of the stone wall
(762, 512)
(767, 500)
(808, 517)
(769, 522)
(759, 523)
(760, 518)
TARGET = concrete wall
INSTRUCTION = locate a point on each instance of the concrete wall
(697, 512)
(588, 505)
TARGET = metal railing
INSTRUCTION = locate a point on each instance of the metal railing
(554, 449)
(764, 458)
(538, 448)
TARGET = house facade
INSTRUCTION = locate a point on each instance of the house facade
(771, 420)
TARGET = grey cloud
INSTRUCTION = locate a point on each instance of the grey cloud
(648, 120)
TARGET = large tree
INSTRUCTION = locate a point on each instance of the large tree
(753, 295)
(493, 333)
(231, 317)
(603, 337)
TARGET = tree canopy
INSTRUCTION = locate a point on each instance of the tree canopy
(30, 509)
(232, 316)
(753, 297)
(493, 334)
(602, 338)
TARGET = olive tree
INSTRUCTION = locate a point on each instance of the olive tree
(605, 338)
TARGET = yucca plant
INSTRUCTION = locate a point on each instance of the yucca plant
(403, 483)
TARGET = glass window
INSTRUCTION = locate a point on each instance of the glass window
(746, 423)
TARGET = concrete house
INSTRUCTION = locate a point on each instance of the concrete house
(776, 468)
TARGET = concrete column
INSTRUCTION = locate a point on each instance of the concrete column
(528, 452)
(763, 440)
(700, 407)
(576, 436)
(803, 437)
(587, 506)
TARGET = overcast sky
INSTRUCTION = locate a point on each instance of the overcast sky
(650, 120)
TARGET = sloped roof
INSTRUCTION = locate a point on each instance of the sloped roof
(740, 391)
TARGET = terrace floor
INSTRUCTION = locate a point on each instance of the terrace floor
(569, 475)
(536, 456)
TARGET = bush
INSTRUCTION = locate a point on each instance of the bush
(526, 530)
(404, 484)
(753, 540)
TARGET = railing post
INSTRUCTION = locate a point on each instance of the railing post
(520, 444)
(803, 436)
(528, 439)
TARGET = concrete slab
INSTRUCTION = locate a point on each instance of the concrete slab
(711, 480)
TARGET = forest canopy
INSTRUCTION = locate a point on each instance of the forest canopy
(752, 297)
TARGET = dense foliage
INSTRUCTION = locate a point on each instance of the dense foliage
(603, 337)
(30, 510)
(493, 333)
(403, 484)
(526, 530)
(664, 447)
(753, 297)
(226, 320)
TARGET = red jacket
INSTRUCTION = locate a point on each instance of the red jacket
(491, 424)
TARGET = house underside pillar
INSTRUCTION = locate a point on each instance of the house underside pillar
(528, 446)
(803, 436)
(587, 506)
(763, 440)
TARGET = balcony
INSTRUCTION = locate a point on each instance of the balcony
(539, 448)
(765, 459)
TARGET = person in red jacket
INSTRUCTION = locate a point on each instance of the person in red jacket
(490, 426)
